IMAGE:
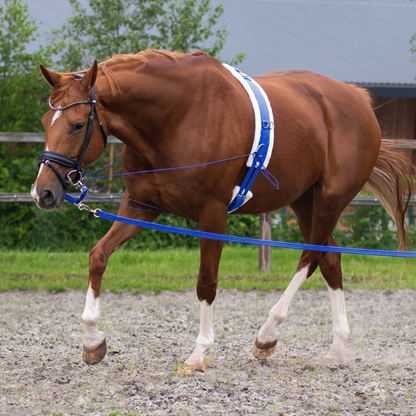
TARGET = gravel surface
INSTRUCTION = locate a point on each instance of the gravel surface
(149, 336)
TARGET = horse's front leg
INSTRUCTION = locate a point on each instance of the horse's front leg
(207, 289)
(94, 343)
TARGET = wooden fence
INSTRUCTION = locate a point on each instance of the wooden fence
(265, 219)
(35, 138)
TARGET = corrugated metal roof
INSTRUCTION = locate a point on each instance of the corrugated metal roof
(353, 41)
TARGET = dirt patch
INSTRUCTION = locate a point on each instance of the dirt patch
(41, 370)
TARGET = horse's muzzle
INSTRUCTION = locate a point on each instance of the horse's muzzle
(47, 199)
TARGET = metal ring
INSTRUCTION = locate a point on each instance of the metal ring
(69, 179)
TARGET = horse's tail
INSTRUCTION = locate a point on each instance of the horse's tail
(393, 181)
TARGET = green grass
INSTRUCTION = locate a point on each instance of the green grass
(177, 269)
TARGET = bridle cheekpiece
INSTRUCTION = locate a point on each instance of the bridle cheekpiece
(47, 156)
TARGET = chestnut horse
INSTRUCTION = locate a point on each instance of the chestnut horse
(173, 109)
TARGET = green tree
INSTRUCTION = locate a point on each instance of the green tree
(23, 94)
(23, 97)
(22, 91)
(129, 26)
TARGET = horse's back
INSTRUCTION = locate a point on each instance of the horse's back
(301, 84)
(337, 111)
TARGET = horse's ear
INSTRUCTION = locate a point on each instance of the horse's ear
(90, 76)
(52, 78)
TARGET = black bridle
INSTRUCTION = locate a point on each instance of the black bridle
(47, 157)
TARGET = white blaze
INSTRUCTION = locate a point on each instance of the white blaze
(34, 191)
(56, 115)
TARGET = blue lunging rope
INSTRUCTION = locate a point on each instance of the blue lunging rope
(253, 241)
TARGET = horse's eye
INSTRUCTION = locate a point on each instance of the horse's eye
(77, 127)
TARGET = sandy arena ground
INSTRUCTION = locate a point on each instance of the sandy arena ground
(149, 336)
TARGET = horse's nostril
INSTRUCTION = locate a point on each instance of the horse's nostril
(48, 197)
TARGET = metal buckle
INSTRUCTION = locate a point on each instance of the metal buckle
(78, 202)
(83, 207)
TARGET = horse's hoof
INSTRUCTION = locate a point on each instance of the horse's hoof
(189, 369)
(96, 354)
(331, 359)
(262, 350)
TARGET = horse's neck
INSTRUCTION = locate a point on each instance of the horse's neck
(144, 106)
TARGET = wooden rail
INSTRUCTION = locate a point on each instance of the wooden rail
(35, 138)
(26, 197)
(40, 138)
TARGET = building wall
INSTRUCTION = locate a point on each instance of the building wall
(397, 117)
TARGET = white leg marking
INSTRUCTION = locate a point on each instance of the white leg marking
(90, 316)
(205, 338)
(56, 115)
(268, 332)
(341, 329)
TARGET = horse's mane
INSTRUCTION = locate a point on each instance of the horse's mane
(143, 56)
(140, 58)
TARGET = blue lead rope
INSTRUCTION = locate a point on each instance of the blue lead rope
(77, 201)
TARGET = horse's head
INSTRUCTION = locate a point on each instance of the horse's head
(73, 135)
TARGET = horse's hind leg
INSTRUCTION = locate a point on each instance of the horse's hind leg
(266, 341)
(330, 266)
(317, 218)
(94, 343)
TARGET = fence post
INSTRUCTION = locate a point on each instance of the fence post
(412, 214)
(265, 234)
